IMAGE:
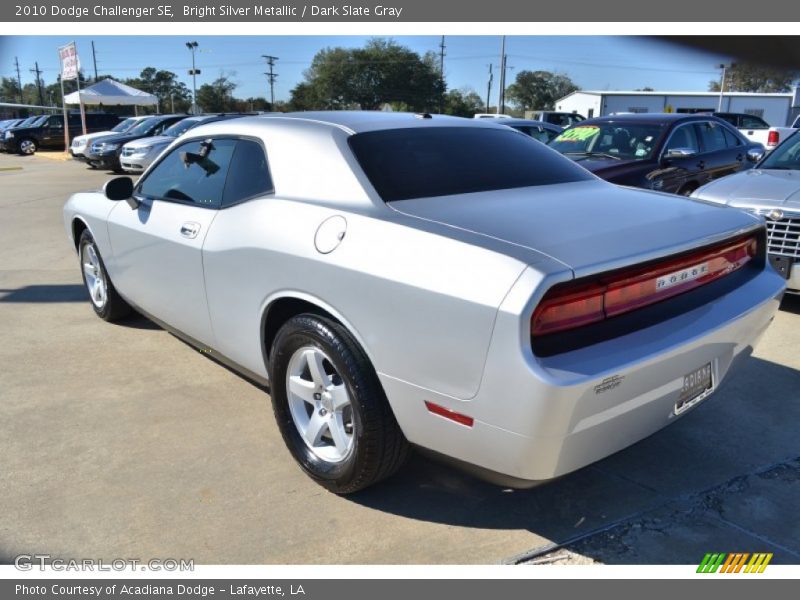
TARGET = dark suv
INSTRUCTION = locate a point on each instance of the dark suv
(668, 152)
(48, 131)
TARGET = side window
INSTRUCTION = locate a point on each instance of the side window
(55, 122)
(248, 175)
(161, 127)
(751, 122)
(192, 173)
(683, 137)
(711, 136)
(731, 139)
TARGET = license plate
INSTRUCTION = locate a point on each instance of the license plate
(696, 385)
(684, 275)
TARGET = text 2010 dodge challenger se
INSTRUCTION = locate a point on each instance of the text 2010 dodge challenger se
(403, 279)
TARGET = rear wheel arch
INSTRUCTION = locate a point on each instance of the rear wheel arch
(280, 308)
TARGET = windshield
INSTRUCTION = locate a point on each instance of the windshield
(181, 127)
(419, 162)
(628, 141)
(124, 125)
(785, 157)
(144, 126)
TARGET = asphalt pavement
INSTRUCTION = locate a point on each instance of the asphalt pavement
(120, 441)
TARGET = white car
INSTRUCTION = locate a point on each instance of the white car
(440, 282)
(80, 142)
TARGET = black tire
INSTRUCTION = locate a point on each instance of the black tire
(113, 307)
(379, 447)
(27, 146)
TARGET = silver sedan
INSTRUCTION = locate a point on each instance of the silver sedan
(402, 280)
(772, 190)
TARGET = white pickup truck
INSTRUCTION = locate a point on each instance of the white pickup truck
(758, 130)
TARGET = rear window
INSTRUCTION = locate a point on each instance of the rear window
(421, 162)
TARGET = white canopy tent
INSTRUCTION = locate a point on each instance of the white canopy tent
(111, 93)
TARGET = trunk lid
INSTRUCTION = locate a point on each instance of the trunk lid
(590, 226)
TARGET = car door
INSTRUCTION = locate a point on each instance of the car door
(678, 173)
(157, 246)
(717, 158)
(52, 132)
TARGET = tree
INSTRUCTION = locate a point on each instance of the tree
(746, 77)
(171, 93)
(9, 90)
(539, 89)
(462, 103)
(217, 96)
(382, 72)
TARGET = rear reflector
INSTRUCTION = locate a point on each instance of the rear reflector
(574, 305)
(449, 414)
(773, 137)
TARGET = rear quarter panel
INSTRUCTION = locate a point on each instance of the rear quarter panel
(422, 305)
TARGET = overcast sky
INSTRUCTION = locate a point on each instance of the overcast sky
(613, 63)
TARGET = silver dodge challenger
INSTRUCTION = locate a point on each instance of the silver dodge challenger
(408, 280)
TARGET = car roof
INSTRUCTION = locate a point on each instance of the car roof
(649, 118)
(363, 121)
(531, 122)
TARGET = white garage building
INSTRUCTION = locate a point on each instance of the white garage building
(775, 109)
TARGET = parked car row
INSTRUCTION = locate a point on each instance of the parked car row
(451, 284)
(47, 131)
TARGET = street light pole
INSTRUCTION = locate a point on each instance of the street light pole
(721, 87)
(192, 46)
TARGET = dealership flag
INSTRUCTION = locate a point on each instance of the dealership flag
(70, 65)
(70, 69)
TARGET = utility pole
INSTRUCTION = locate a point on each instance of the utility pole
(271, 77)
(501, 96)
(721, 86)
(94, 61)
(19, 78)
(441, 74)
(489, 87)
(38, 72)
(192, 46)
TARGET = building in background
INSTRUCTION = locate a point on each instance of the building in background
(775, 109)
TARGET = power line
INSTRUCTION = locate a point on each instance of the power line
(441, 74)
(489, 87)
(38, 72)
(19, 78)
(271, 77)
(94, 61)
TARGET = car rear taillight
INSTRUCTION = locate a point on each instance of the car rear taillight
(572, 305)
(773, 137)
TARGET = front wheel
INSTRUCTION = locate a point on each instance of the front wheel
(107, 303)
(28, 146)
(330, 406)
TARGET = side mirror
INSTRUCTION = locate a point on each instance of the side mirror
(755, 154)
(120, 188)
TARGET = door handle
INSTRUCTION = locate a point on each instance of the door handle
(701, 164)
(190, 230)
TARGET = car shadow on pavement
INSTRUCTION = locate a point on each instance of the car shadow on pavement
(746, 429)
(45, 294)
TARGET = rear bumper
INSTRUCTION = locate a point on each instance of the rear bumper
(540, 418)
